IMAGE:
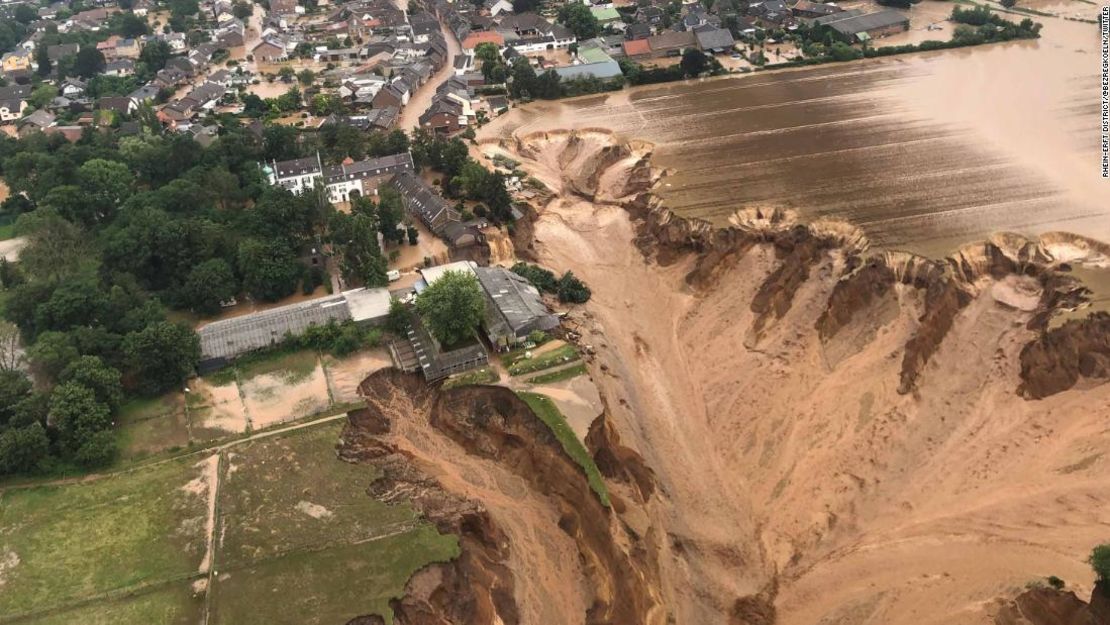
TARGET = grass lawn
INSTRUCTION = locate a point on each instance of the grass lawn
(78, 541)
(173, 604)
(290, 492)
(150, 426)
(546, 360)
(7, 231)
(559, 376)
(296, 517)
(330, 586)
(485, 375)
(549, 413)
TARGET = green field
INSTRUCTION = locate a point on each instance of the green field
(330, 586)
(150, 426)
(171, 604)
(295, 516)
(559, 376)
(299, 540)
(485, 375)
(81, 541)
(546, 360)
(290, 492)
(549, 413)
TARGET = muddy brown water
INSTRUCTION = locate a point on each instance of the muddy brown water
(924, 151)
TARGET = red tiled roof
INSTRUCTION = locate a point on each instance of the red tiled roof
(639, 47)
(483, 36)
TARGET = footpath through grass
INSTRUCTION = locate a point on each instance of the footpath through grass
(546, 360)
(560, 375)
(297, 540)
(64, 544)
(549, 413)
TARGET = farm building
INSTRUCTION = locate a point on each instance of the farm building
(514, 308)
(222, 341)
(863, 27)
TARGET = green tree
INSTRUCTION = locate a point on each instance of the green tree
(42, 95)
(580, 20)
(571, 289)
(242, 10)
(155, 55)
(89, 62)
(107, 183)
(52, 352)
(98, 450)
(42, 60)
(76, 413)
(208, 284)
(306, 77)
(22, 449)
(286, 73)
(694, 62)
(269, 270)
(1100, 562)
(93, 374)
(131, 25)
(25, 14)
(356, 242)
(452, 307)
(55, 247)
(161, 356)
(14, 387)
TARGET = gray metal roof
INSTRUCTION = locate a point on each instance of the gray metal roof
(514, 306)
(870, 21)
(390, 164)
(229, 338)
(602, 69)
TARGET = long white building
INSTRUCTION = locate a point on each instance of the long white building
(344, 181)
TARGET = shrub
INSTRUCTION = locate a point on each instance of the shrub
(1100, 562)
(573, 290)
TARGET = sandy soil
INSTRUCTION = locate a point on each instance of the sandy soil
(273, 398)
(578, 400)
(215, 409)
(207, 485)
(544, 560)
(412, 256)
(345, 375)
(782, 468)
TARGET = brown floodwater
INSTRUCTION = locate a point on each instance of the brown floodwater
(923, 151)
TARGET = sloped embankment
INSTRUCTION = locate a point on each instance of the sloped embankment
(535, 540)
(836, 434)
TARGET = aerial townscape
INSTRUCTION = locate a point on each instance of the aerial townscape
(584, 312)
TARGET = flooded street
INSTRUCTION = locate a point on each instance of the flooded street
(924, 151)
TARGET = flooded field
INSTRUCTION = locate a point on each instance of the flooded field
(924, 151)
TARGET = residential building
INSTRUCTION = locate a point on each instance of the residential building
(424, 203)
(13, 101)
(17, 61)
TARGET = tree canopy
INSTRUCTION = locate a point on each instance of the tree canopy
(452, 307)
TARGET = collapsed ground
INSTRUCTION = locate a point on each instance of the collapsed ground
(805, 429)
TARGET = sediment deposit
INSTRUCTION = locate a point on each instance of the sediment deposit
(798, 429)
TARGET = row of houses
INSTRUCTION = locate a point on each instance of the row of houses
(342, 182)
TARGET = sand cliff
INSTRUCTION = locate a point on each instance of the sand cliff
(798, 429)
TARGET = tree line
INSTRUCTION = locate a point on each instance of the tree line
(121, 230)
